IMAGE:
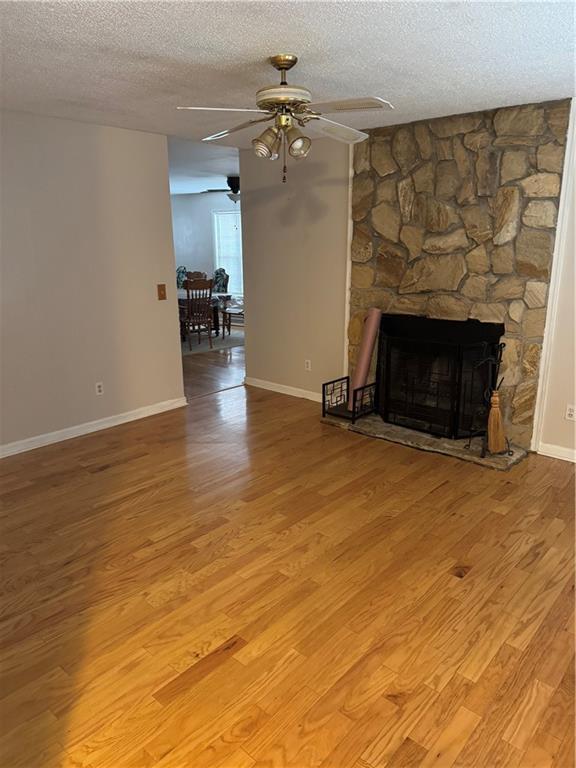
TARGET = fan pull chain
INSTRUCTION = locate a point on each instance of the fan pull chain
(284, 157)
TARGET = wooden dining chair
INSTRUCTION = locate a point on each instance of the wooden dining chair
(196, 275)
(199, 309)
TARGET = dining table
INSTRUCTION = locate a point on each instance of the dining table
(218, 301)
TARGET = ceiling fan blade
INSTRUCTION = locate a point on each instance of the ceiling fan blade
(225, 109)
(222, 134)
(351, 105)
(338, 131)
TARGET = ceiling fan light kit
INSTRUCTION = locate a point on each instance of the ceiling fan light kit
(290, 106)
(298, 144)
(266, 145)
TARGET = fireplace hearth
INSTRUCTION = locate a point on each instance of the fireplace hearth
(435, 376)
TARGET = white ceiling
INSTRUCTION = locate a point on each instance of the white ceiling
(197, 167)
(129, 63)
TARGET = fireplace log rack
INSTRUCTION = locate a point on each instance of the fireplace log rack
(335, 397)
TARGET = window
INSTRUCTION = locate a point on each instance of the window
(228, 242)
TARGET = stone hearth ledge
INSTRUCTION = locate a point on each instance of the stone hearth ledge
(374, 426)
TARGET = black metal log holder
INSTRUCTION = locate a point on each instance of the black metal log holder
(335, 395)
(493, 362)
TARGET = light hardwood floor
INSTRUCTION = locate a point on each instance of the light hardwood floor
(234, 584)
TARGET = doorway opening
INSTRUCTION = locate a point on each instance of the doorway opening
(207, 233)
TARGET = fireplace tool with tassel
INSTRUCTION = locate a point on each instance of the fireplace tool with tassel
(494, 440)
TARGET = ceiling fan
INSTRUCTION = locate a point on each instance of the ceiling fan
(233, 190)
(289, 106)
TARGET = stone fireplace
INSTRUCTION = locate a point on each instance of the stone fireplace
(455, 219)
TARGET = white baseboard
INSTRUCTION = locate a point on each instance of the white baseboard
(19, 446)
(557, 452)
(283, 389)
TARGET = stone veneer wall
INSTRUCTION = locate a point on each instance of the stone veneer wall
(455, 218)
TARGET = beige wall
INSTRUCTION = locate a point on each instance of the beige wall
(295, 248)
(193, 228)
(86, 235)
(560, 388)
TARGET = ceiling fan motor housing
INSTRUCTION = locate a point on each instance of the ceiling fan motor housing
(233, 183)
(282, 95)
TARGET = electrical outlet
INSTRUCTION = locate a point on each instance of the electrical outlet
(99, 387)
(570, 413)
(307, 365)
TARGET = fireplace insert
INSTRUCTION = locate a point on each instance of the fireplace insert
(436, 375)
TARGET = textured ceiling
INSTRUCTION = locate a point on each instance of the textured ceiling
(197, 167)
(130, 63)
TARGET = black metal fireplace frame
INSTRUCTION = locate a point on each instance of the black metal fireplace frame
(456, 337)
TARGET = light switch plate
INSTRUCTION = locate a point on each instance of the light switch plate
(161, 288)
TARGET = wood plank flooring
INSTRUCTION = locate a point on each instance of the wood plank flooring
(235, 585)
(210, 372)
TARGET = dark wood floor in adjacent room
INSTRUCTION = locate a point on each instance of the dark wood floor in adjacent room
(213, 371)
(234, 584)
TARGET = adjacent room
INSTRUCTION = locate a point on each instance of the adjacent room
(207, 234)
(287, 384)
